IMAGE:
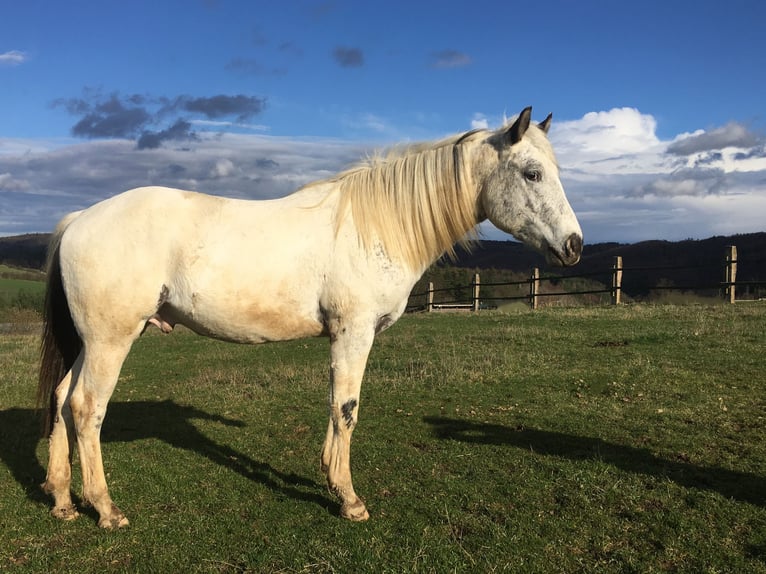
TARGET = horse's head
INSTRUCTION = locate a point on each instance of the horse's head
(521, 192)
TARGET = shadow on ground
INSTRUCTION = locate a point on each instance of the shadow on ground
(163, 420)
(739, 486)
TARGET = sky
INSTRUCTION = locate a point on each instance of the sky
(659, 107)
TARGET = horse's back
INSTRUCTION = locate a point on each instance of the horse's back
(147, 222)
(144, 211)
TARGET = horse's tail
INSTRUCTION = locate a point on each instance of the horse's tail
(60, 344)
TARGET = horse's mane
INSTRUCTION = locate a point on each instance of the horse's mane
(416, 201)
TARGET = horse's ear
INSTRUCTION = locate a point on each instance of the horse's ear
(514, 133)
(546, 123)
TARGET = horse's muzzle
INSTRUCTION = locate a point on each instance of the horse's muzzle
(570, 253)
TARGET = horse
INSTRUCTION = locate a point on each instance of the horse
(336, 258)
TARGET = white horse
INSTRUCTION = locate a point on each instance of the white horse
(336, 258)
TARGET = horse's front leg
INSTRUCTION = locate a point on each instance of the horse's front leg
(350, 347)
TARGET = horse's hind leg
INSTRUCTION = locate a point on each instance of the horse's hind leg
(61, 444)
(98, 377)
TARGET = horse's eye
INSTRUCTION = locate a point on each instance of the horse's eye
(533, 175)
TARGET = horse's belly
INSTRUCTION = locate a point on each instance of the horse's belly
(247, 323)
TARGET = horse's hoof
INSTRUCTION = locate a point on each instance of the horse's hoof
(114, 522)
(65, 512)
(356, 512)
(116, 519)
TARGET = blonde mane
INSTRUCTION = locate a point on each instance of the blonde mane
(416, 202)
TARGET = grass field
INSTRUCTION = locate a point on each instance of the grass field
(625, 439)
(10, 288)
(22, 292)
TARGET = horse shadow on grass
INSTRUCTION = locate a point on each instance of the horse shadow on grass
(132, 421)
(740, 486)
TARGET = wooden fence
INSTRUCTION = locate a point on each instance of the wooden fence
(727, 287)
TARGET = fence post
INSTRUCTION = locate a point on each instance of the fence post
(534, 287)
(730, 275)
(476, 282)
(430, 300)
(617, 280)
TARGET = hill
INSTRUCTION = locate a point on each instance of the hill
(685, 264)
(689, 263)
(24, 250)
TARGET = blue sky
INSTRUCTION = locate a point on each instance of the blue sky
(658, 106)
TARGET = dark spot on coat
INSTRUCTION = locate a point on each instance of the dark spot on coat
(347, 410)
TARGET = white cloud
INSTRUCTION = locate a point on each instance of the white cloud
(479, 122)
(679, 185)
(732, 134)
(613, 138)
(222, 168)
(13, 58)
(40, 186)
(224, 125)
(624, 182)
(367, 122)
(450, 59)
(628, 185)
(9, 183)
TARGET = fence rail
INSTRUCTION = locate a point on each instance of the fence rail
(728, 286)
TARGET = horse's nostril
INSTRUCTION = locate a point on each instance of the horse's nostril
(573, 246)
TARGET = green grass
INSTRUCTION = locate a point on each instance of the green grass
(22, 292)
(604, 439)
(9, 288)
(11, 272)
